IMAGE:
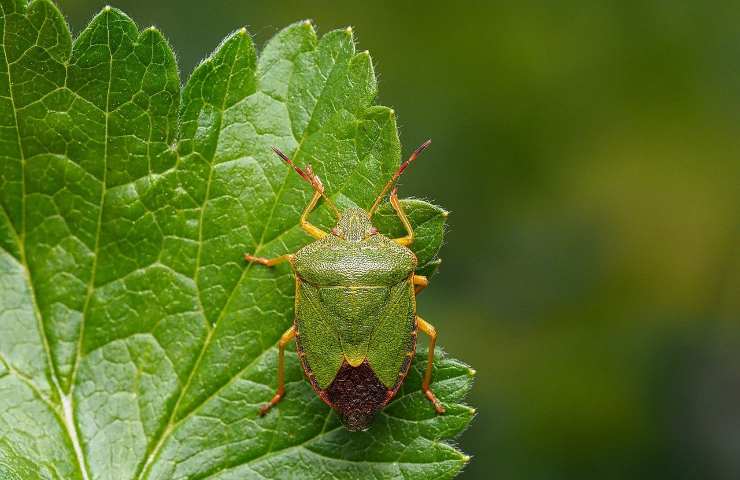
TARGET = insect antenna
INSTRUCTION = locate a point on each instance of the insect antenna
(398, 173)
(310, 177)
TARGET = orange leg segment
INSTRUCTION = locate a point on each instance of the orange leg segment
(409, 238)
(284, 340)
(268, 262)
(432, 332)
(420, 283)
(308, 227)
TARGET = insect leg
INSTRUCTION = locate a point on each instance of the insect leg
(269, 262)
(432, 332)
(409, 238)
(287, 337)
(420, 283)
(312, 230)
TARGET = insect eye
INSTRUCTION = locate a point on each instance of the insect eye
(335, 231)
(372, 231)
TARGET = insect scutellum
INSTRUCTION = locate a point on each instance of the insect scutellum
(364, 279)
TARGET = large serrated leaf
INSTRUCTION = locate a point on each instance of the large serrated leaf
(134, 341)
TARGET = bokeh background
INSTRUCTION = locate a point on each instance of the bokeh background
(589, 152)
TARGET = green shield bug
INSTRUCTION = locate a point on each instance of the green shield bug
(355, 322)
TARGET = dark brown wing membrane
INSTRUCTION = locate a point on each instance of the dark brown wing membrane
(357, 395)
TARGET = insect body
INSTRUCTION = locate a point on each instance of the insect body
(355, 322)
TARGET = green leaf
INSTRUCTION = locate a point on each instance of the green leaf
(429, 228)
(134, 341)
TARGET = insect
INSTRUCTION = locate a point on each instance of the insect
(355, 323)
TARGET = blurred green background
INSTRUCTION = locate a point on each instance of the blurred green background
(590, 155)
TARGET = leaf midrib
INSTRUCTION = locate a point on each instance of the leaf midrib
(68, 399)
(69, 424)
